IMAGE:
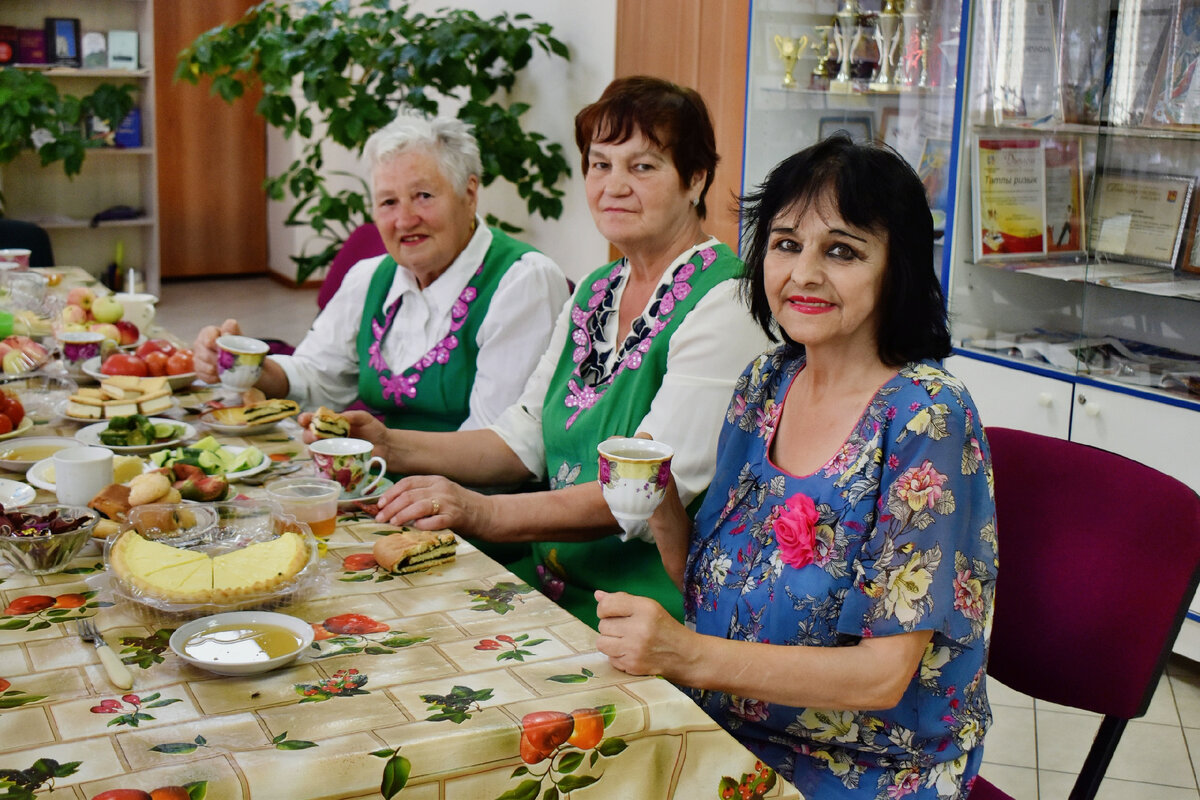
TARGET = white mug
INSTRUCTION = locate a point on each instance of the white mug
(139, 308)
(80, 473)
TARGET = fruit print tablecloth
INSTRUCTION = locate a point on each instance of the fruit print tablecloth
(461, 683)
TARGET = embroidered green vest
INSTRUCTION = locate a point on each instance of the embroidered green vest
(577, 416)
(434, 393)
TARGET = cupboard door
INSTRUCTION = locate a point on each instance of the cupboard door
(212, 157)
(1011, 398)
(1161, 436)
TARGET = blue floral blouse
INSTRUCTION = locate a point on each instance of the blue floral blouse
(905, 540)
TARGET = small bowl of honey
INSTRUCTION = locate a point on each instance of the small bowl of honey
(242, 642)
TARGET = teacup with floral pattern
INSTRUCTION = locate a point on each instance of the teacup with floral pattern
(349, 462)
(239, 361)
(633, 476)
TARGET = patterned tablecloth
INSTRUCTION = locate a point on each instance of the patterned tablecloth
(416, 687)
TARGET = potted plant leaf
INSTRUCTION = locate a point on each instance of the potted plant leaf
(336, 71)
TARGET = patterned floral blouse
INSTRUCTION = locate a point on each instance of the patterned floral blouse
(895, 533)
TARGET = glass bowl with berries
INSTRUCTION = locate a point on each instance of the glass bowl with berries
(42, 539)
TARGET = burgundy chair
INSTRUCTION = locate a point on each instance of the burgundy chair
(1099, 559)
(363, 242)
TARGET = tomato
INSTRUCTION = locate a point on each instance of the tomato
(156, 363)
(155, 346)
(6, 424)
(180, 362)
(124, 364)
(10, 404)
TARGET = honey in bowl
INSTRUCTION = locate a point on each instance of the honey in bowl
(35, 452)
(241, 643)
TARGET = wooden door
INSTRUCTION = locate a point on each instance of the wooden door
(212, 156)
(701, 44)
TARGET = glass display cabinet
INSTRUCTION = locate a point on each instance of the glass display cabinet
(1074, 283)
(878, 69)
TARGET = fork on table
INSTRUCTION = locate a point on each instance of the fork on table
(118, 673)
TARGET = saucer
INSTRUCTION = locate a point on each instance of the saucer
(350, 501)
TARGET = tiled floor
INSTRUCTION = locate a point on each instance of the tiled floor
(1034, 749)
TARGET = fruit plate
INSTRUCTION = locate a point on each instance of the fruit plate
(181, 381)
(36, 448)
(253, 429)
(90, 435)
(25, 424)
(245, 473)
(351, 501)
(14, 494)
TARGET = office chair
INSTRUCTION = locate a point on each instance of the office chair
(1099, 559)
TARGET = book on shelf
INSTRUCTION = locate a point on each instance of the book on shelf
(123, 50)
(95, 50)
(62, 41)
(31, 46)
(129, 132)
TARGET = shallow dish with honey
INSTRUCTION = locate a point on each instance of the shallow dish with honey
(242, 642)
(204, 558)
(21, 454)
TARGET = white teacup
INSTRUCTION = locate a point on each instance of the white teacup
(239, 361)
(80, 473)
(139, 308)
(20, 255)
(633, 476)
(77, 347)
(349, 462)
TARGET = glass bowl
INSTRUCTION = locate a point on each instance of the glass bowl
(46, 553)
(43, 396)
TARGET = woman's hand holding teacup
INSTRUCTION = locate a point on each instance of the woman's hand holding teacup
(205, 352)
(634, 473)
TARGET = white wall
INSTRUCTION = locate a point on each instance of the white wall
(554, 89)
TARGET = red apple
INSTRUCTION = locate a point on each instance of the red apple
(155, 346)
(129, 331)
(81, 296)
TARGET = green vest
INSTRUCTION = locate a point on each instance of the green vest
(434, 393)
(580, 412)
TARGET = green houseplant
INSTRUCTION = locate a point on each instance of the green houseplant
(37, 117)
(355, 64)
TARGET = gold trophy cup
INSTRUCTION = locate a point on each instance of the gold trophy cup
(789, 51)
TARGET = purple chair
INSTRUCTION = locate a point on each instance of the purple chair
(363, 242)
(1099, 559)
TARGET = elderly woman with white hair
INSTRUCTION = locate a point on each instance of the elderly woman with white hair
(440, 333)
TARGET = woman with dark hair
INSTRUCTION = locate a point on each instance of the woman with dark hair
(650, 343)
(840, 573)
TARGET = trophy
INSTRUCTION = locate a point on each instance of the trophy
(827, 61)
(789, 51)
(908, 70)
(847, 34)
(887, 36)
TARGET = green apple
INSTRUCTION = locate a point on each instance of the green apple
(107, 308)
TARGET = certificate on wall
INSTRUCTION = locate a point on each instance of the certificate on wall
(1010, 198)
(1139, 217)
(1026, 71)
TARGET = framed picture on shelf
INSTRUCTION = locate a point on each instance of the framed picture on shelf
(859, 126)
(889, 125)
(1140, 42)
(1139, 217)
(1175, 99)
(1064, 195)
(1025, 80)
(1190, 260)
(62, 42)
(934, 172)
(1082, 43)
(1009, 203)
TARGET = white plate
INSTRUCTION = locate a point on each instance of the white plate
(21, 465)
(349, 502)
(25, 424)
(14, 494)
(92, 368)
(91, 436)
(302, 630)
(237, 430)
(245, 473)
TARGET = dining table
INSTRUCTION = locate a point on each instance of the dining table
(461, 682)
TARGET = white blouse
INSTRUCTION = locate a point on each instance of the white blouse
(324, 369)
(705, 356)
